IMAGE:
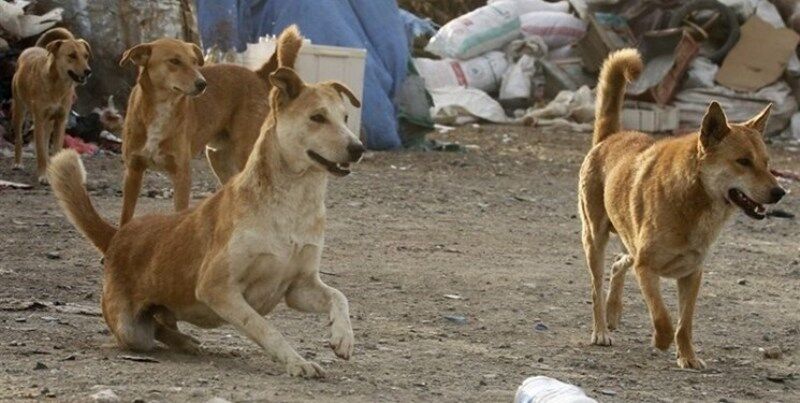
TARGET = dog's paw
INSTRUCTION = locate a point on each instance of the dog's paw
(305, 369)
(16, 167)
(662, 340)
(190, 346)
(43, 180)
(601, 338)
(342, 340)
(693, 362)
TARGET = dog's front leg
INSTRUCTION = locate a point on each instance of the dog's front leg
(41, 128)
(59, 128)
(229, 304)
(662, 324)
(310, 294)
(181, 179)
(688, 288)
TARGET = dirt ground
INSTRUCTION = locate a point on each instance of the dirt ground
(490, 234)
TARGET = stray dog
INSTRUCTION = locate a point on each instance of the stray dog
(168, 122)
(44, 86)
(236, 255)
(667, 200)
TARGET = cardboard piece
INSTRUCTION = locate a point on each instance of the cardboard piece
(760, 56)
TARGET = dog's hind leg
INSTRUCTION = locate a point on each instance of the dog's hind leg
(614, 300)
(596, 229)
(57, 138)
(688, 288)
(312, 295)
(650, 285)
(133, 330)
(17, 123)
(167, 332)
(220, 157)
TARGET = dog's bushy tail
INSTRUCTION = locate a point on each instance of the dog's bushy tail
(620, 67)
(286, 49)
(68, 179)
(53, 35)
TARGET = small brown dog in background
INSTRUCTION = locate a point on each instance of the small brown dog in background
(231, 259)
(44, 86)
(168, 121)
(667, 200)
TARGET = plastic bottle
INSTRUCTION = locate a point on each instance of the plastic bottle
(543, 389)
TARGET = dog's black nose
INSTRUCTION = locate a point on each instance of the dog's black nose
(87, 73)
(777, 193)
(200, 85)
(356, 151)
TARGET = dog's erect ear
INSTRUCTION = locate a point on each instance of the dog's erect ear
(138, 55)
(715, 125)
(342, 89)
(86, 45)
(52, 47)
(287, 81)
(198, 53)
(759, 121)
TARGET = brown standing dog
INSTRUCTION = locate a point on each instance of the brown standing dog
(667, 200)
(255, 243)
(168, 122)
(44, 86)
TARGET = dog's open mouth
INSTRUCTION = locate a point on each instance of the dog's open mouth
(748, 205)
(76, 78)
(341, 169)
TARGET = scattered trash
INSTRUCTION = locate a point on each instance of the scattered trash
(457, 319)
(543, 389)
(39, 366)
(540, 327)
(741, 281)
(607, 392)
(53, 255)
(14, 185)
(453, 296)
(773, 352)
(105, 396)
(138, 358)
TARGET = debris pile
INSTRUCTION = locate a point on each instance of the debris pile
(534, 62)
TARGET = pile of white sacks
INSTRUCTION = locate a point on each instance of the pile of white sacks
(493, 50)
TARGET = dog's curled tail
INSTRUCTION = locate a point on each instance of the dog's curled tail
(286, 49)
(53, 35)
(620, 68)
(68, 180)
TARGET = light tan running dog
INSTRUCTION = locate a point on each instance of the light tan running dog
(168, 122)
(235, 256)
(667, 200)
(44, 86)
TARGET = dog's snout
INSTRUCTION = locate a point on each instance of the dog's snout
(87, 72)
(356, 150)
(200, 85)
(776, 194)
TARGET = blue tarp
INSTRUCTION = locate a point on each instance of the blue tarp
(371, 24)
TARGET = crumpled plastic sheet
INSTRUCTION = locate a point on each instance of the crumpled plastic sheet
(571, 109)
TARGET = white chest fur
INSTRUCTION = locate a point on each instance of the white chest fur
(278, 241)
(156, 133)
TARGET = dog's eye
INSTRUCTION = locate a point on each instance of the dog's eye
(745, 162)
(73, 56)
(319, 118)
(175, 62)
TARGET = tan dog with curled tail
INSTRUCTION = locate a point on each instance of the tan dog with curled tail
(667, 200)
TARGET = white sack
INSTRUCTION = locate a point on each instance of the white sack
(477, 32)
(557, 29)
(482, 72)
